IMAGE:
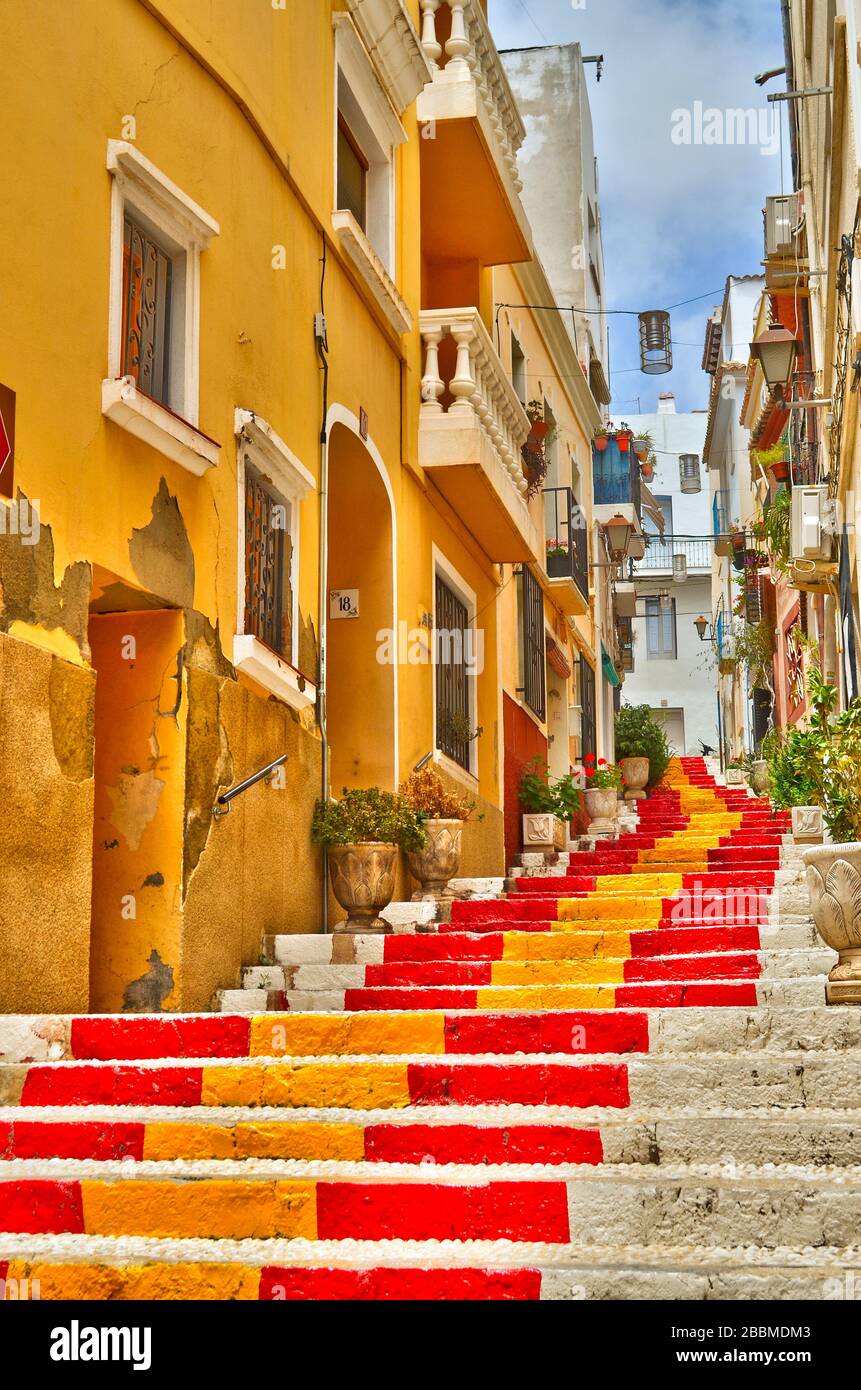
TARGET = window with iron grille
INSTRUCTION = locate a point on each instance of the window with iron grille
(453, 704)
(532, 626)
(588, 730)
(268, 596)
(147, 279)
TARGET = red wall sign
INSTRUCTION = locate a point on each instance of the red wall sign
(7, 439)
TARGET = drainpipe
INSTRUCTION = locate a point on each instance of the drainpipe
(790, 87)
(322, 345)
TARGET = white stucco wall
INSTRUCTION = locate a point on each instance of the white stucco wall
(687, 683)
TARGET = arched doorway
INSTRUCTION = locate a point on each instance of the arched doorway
(362, 645)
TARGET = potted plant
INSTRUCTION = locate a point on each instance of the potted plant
(548, 806)
(647, 469)
(601, 438)
(363, 832)
(642, 445)
(776, 520)
(821, 762)
(602, 781)
(557, 553)
(735, 773)
(623, 439)
(738, 540)
(641, 749)
(443, 814)
(776, 460)
(538, 426)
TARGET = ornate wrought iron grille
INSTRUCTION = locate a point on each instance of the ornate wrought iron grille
(453, 714)
(147, 274)
(268, 606)
(533, 644)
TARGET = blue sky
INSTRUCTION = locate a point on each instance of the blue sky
(677, 219)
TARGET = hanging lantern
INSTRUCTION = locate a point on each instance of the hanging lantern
(701, 624)
(689, 473)
(665, 601)
(656, 354)
(680, 568)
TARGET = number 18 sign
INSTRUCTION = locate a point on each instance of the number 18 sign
(343, 603)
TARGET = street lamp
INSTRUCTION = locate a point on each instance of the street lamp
(619, 533)
(701, 624)
(776, 350)
(656, 353)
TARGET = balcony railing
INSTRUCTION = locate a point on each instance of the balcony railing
(661, 552)
(473, 130)
(470, 54)
(616, 478)
(566, 540)
(472, 431)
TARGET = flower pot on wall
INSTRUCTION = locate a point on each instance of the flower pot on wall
(647, 472)
(808, 825)
(363, 881)
(636, 774)
(601, 806)
(780, 471)
(834, 881)
(600, 442)
(543, 831)
(439, 861)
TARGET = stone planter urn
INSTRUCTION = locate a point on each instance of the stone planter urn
(543, 831)
(759, 777)
(636, 774)
(601, 806)
(808, 825)
(734, 777)
(363, 881)
(834, 881)
(439, 861)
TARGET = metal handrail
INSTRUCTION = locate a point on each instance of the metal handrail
(222, 803)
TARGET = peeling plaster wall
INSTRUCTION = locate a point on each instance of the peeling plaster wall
(46, 792)
(136, 961)
(253, 871)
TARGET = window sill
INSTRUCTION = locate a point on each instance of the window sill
(262, 665)
(158, 426)
(373, 272)
(460, 774)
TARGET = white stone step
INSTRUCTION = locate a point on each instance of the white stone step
(263, 977)
(566, 1272)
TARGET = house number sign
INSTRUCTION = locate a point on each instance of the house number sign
(343, 603)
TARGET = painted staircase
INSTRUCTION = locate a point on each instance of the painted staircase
(619, 1080)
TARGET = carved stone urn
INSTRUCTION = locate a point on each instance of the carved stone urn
(363, 881)
(734, 777)
(834, 881)
(636, 774)
(759, 777)
(601, 806)
(543, 831)
(439, 861)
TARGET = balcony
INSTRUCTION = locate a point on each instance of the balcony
(615, 483)
(471, 132)
(661, 553)
(472, 429)
(566, 545)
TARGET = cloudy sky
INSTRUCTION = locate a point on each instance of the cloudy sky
(677, 218)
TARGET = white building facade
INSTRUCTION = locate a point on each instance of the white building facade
(669, 668)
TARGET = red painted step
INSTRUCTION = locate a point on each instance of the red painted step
(379, 1285)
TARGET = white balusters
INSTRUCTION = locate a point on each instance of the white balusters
(433, 49)
(477, 388)
(432, 383)
(458, 45)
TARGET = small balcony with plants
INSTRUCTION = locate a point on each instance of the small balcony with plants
(566, 550)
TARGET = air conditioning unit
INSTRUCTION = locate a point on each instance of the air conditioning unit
(811, 523)
(782, 215)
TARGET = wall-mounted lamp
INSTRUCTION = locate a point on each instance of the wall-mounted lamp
(703, 627)
(775, 349)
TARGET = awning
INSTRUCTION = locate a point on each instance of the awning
(651, 505)
(608, 668)
(557, 658)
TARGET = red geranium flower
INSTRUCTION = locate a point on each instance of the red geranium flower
(602, 762)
